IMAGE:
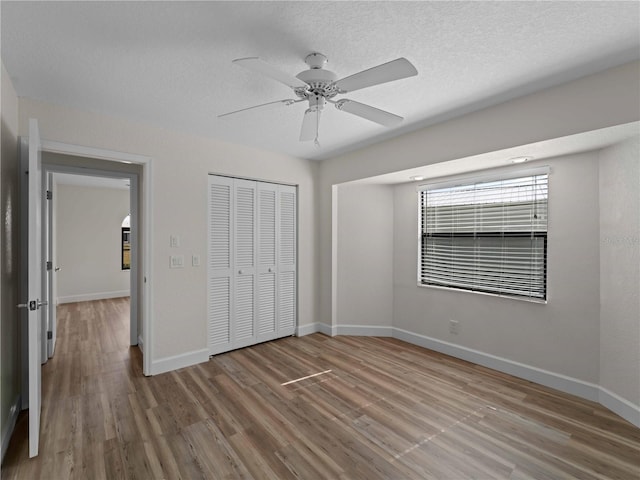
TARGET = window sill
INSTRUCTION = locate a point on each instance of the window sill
(510, 297)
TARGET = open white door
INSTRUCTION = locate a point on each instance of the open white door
(33, 270)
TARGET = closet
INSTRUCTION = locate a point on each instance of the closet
(251, 262)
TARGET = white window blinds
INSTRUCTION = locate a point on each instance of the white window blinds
(486, 236)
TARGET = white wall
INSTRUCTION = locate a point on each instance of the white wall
(561, 336)
(365, 257)
(180, 165)
(88, 239)
(620, 271)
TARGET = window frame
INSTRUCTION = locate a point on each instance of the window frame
(125, 246)
(472, 180)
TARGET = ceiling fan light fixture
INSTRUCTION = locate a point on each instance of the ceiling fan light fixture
(316, 60)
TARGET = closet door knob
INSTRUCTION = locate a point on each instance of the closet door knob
(240, 272)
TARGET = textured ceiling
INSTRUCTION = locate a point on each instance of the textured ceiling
(169, 63)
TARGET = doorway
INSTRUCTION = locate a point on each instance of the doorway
(88, 258)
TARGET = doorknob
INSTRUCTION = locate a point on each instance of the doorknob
(32, 305)
(57, 269)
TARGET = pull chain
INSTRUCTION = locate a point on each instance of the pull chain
(316, 142)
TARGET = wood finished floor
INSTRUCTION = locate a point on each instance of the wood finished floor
(377, 408)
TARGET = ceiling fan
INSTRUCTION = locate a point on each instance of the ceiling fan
(318, 86)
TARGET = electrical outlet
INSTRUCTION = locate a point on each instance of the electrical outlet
(195, 260)
(174, 241)
(453, 327)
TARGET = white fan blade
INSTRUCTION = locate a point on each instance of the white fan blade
(310, 124)
(264, 106)
(370, 113)
(260, 66)
(387, 72)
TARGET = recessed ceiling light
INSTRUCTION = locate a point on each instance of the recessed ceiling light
(520, 159)
(417, 178)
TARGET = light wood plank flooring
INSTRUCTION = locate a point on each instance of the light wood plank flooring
(307, 408)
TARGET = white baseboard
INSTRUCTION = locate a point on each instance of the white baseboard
(87, 297)
(310, 328)
(179, 361)
(364, 330)
(328, 330)
(307, 329)
(140, 344)
(7, 431)
(620, 406)
(563, 383)
(573, 386)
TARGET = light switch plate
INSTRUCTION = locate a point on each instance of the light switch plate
(176, 261)
(174, 241)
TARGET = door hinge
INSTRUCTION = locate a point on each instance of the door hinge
(49, 335)
(49, 195)
(49, 266)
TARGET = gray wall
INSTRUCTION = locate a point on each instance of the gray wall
(180, 164)
(9, 256)
(552, 113)
(620, 270)
(588, 331)
(88, 232)
(561, 336)
(365, 255)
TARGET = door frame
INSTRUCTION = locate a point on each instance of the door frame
(145, 251)
(48, 322)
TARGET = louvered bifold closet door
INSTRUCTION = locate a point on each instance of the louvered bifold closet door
(243, 332)
(287, 260)
(267, 267)
(220, 280)
(251, 262)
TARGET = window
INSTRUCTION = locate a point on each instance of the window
(125, 250)
(489, 236)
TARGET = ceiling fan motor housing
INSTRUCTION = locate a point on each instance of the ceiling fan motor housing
(320, 82)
